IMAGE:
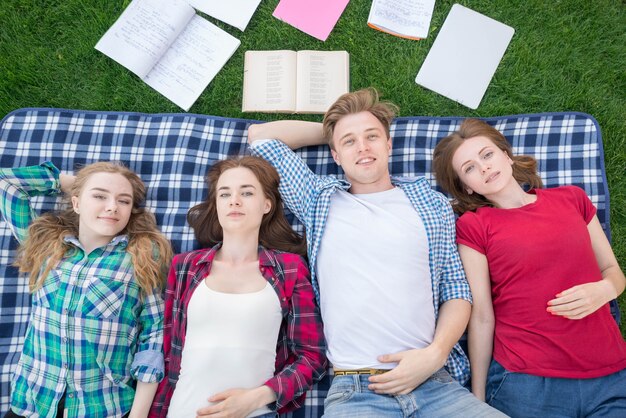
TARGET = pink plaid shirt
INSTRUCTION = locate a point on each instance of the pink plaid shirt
(300, 350)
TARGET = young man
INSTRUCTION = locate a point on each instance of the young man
(384, 264)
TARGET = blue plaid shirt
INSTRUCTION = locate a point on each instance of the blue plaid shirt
(91, 334)
(308, 196)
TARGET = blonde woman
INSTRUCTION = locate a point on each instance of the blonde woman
(96, 269)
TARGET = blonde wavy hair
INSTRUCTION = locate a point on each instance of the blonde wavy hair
(45, 245)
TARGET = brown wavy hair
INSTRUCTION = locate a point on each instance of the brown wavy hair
(45, 245)
(524, 166)
(365, 100)
(275, 232)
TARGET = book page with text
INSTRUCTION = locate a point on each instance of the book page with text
(191, 62)
(143, 33)
(404, 18)
(323, 76)
(269, 81)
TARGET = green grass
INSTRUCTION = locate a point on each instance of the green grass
(566, 55)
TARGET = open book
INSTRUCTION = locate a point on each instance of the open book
(173, 50)
(294, 82)
(404, 18)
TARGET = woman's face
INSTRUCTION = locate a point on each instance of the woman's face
(104, 207)
(240, 201)
(482, 167)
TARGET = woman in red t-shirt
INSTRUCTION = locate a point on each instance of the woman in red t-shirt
(542, 273)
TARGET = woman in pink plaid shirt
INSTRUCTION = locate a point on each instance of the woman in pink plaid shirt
(243, 334)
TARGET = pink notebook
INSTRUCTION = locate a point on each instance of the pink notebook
(314, 17)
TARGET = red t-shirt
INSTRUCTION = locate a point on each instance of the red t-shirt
(535, 252)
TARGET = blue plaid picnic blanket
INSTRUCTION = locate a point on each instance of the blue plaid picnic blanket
(172, 152)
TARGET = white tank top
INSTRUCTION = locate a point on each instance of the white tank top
(230, 343)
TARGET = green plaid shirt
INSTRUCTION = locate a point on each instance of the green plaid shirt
(90, 334)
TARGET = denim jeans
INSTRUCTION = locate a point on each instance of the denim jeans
(439, 396)
(524, 395)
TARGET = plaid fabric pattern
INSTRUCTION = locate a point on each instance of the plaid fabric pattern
(89, 330)
(300, 356)
(308, 196)
(171, 153)
(16, 188)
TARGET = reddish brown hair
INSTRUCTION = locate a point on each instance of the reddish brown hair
(275, 231)
(524, 166)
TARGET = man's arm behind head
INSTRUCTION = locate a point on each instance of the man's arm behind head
(294, 133)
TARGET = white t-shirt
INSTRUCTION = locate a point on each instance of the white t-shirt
(230, 343)
(374, 277)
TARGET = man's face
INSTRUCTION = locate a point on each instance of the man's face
(362, 148)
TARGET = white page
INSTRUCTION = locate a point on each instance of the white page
(464, 56)
(408, 18)
(269, 81)
(191, 62)
(236, 13)
(143, 32)
(323, 76)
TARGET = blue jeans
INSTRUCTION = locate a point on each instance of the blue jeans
(525, 395)
(439, 396)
